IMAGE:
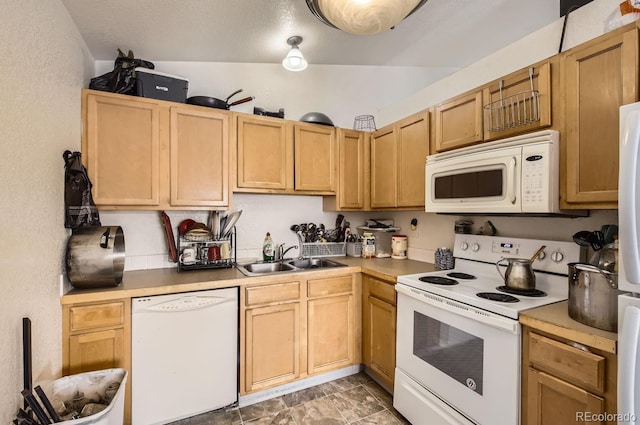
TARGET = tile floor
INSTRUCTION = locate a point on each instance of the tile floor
(355, 399)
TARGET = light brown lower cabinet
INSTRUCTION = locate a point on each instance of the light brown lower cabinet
(566, 383)
(97, 336)
(290, 330)
(379, 328)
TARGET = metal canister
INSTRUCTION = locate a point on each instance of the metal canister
(399, 247)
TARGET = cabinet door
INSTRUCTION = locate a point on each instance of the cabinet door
(96, 350)
(458, 121)
(384, 160)
(382, 324)
(513, 110)
(599, 77)
(413, 148)
(199, 142)
(315, 158)
(272, 345)
(122, 141)
(330, 333)
(553, 401)
(379, 328)
(265, 155)
(351, 169)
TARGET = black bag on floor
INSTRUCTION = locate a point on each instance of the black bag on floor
(122, 79)
(79, 207)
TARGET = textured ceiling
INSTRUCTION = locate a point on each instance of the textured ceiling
(443, 33)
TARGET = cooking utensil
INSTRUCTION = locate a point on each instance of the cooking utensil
(593, 239)
(593, 296)
(213, 102)
(519, 274)
(168, 232)
(538, 252)
(316, 118)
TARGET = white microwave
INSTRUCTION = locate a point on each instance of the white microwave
(515, 175)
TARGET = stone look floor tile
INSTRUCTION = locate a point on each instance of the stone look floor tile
(281, 418)
(262, 409)
(317, 412)
(302, 396)
(381, 418)
(356, 403)
(339, 385)
(380, 393)
(225, 416)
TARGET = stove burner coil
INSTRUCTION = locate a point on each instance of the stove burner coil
(495, 296)
(438, 280)
(460, 275)
(522, 292)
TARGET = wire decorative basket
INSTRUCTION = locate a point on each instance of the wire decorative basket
(323, 249)
(515, 110)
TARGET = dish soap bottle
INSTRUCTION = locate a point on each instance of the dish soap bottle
(268, 250)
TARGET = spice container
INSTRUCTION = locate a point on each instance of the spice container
(368, 245)
(399, 247)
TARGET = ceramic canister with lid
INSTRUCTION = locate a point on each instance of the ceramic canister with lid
(399, 247)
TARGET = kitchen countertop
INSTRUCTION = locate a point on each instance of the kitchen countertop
(554, 318)
(141, 283)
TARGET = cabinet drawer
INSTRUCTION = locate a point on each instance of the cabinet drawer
(382, 290)
(581, 366)
(329, 286)
(279, 292)
(84, 317)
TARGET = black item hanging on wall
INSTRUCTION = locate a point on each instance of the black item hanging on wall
(122, 79)
(80, 210)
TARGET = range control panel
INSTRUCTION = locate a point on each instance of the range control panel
(554, 258)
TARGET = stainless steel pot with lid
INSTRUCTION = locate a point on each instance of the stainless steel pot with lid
(95, 256)
(593, 296)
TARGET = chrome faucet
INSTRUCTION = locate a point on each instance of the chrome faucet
(280, 251)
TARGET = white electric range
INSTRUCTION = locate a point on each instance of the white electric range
(458, 353)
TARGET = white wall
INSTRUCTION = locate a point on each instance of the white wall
(341, 92)
(43, 65)
(583, 24)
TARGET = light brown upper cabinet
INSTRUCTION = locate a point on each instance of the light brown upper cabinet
(121, 149)
(199, 141)
(279, 156)
(519, 102)
(146, 154)
(599, 76)
(398, 155)
(352, 190)
(458, 121)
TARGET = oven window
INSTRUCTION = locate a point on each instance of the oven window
(477, 184)
(450, 350)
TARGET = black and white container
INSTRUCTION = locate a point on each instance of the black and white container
(158, 85)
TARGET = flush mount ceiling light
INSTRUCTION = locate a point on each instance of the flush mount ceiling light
(294, 61)
(363, 17)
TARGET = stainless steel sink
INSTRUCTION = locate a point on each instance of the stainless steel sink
(314, 263)
(259, 268)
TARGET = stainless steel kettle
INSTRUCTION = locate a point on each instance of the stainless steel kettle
(519, 274)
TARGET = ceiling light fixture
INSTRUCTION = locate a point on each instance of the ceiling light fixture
(363, 17)
(294, 61)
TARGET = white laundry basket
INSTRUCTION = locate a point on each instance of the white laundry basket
(93, 385)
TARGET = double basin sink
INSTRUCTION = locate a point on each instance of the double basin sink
(259, 268)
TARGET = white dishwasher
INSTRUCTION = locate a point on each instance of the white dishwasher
(184, 354)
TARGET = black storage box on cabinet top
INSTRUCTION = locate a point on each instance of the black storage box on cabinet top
(158, 85)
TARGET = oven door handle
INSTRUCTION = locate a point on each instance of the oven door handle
(460, 309)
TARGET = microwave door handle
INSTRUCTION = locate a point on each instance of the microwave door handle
(511, 182)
